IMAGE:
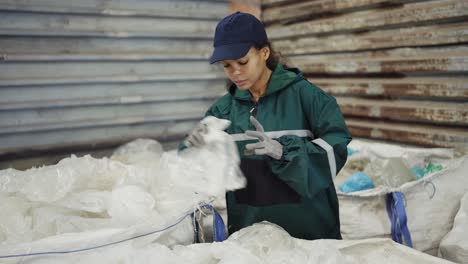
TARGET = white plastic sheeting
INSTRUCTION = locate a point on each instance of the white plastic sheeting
(431, 202)
(211, 170)
(260, 243)
(454, 246)
(131, 209)
(85, 202)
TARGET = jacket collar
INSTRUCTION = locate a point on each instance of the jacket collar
(280, 79)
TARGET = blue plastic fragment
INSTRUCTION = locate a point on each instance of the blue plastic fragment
(357, 182)
(418, 172)
(352, 151)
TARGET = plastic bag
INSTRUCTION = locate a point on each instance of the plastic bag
(391, 172)
(142, 151)
(52, 183)
(262, 243)
(357, 182)
(80, 195)
(454, 246)
(130, 205)
(430, 202)
(199, 174)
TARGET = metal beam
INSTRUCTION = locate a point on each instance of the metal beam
(407, 60)
(407, 14)
(63, 48)
(24, 73)
(172, 128)
(59, 118)
(441, 34)
(426, 135)
(455, 89)
(179, 9)
(449, 113)
(50, 24)
(287, 11)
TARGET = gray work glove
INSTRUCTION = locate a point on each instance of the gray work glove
(266, 146)
(196, 137)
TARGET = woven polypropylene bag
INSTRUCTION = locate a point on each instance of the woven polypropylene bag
(431, 204)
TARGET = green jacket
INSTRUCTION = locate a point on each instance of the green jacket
(296, 192)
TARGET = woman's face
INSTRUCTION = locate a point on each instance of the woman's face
(246, 71)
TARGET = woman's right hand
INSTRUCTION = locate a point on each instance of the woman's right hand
(196, 137)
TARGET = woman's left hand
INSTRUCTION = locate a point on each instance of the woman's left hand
(266, 146)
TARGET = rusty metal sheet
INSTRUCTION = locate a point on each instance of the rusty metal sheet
(391, 38)
(274, 2)
(450, 113)
(455, 88)
(398, 73)
(394, 53)
(302, 9)
(181, 9)
(407, 60)
(428, 11)
(410, 65)
(426, 135)
(248, 6)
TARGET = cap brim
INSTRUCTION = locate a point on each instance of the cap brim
(230, 52)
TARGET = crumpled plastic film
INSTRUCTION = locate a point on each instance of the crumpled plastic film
(132, 204)
(52, 183)
(199, 173)
(15, 223)
(142, 151)
(262, 243)
(139, 186)
(454, 246)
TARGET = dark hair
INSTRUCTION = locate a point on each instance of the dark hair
(273, 60)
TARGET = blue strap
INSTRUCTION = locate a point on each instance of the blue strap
(219, 231)
(397, 214)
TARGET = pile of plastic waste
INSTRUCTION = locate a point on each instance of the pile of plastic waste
(454, 246)
(139, 186)
(258, 244)
(367, 169)
(136, 207)
(409, 194)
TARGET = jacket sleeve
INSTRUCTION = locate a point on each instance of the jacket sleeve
(215, 110)
(309, 166)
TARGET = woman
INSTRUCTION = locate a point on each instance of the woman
(291, 136)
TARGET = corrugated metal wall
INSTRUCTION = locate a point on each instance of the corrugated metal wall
(97, 73)
(399, 69)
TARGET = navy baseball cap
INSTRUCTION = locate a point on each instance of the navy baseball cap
(235, 35)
